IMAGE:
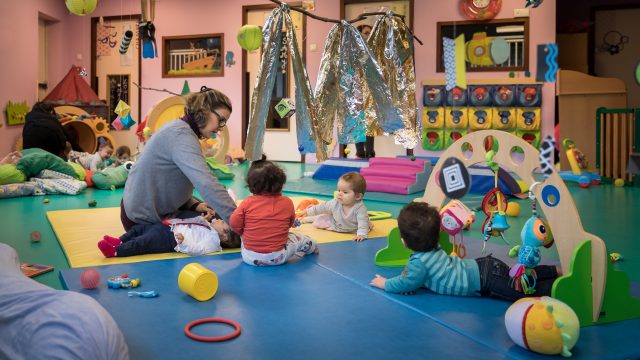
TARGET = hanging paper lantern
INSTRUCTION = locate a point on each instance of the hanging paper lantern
(250, 37)
(81, 7)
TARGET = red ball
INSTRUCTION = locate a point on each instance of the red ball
(89, 279)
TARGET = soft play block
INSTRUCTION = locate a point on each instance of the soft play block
(396, 175)
(333, 168)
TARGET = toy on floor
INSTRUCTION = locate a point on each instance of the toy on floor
(513, 209)
(378, 215)
(187, 330)
(198, 281)
(89, 279)
(35, 236)
(144, 294)
(614, 257)
(123, 281)
(579, 164)
(544, 325)
(306, 203)
(535, 233)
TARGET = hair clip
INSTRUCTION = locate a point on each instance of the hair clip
(204, 88)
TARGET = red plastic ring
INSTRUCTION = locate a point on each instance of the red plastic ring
(187, 330)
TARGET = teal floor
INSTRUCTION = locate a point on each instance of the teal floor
(606, 211)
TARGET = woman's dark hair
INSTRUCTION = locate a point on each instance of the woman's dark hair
(265, 178)
(419, 226)
(201, 103)
(44, 107)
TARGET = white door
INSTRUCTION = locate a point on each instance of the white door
(280, 142)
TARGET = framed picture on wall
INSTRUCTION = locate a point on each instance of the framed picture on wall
(117, 89)
(193, 55)
(494, 45)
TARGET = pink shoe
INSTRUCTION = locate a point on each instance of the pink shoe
(107, 249)
(112, 240)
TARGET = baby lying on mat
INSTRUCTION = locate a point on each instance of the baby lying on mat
(194, 236)
(346, 213)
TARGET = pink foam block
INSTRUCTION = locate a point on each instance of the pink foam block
(388, 171)
(396, 162)
(388, 185)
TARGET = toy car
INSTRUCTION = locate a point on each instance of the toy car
(118, 282)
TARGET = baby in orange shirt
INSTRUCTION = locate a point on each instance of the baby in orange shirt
(264, 219)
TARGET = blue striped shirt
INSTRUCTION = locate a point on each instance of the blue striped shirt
(438, 272)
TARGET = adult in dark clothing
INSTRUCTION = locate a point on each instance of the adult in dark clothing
(43, 130)
(364, 150)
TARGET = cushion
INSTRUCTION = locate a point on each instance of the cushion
(35, 160)
(9, 174)
(15, 190)
(109, 177)
(80, 173)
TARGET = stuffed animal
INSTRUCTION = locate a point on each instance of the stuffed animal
(303, 205)
(535, 233)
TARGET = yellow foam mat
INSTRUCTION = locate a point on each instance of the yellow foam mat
(79, 231)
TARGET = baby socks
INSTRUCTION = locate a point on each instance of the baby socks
(106, 248)
(108, 245)
(112, 240)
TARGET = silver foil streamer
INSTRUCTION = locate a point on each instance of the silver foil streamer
(391, 43)
(348, 71)
(261, 98)
(305, 110)
(306, 121)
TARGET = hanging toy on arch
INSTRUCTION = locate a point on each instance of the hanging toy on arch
(455, 217)
(494, 205)
(535, 233)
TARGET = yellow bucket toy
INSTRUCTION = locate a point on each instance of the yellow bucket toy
(198, 281)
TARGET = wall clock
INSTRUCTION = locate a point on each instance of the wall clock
(480, 9)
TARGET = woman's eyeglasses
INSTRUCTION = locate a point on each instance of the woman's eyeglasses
(221, 121)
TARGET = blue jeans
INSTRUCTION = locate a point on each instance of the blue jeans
(146, 239)
(496, 282)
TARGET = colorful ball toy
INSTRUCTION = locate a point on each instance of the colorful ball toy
(250, 37)
(513, 209)
(89, 279)
(543, 324)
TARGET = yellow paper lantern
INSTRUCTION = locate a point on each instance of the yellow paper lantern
(250, 37)
(81, 7)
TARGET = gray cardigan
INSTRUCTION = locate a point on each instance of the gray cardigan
(163, 179)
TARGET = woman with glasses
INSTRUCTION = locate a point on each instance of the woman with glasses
(161, 184)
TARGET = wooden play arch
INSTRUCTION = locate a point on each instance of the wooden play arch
(172, 108)
(552, 195)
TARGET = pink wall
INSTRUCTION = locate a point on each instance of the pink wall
(19, 41)
(175, 17)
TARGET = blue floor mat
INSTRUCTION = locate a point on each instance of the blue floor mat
(322, 306)
(478, 318)
(300, 309)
